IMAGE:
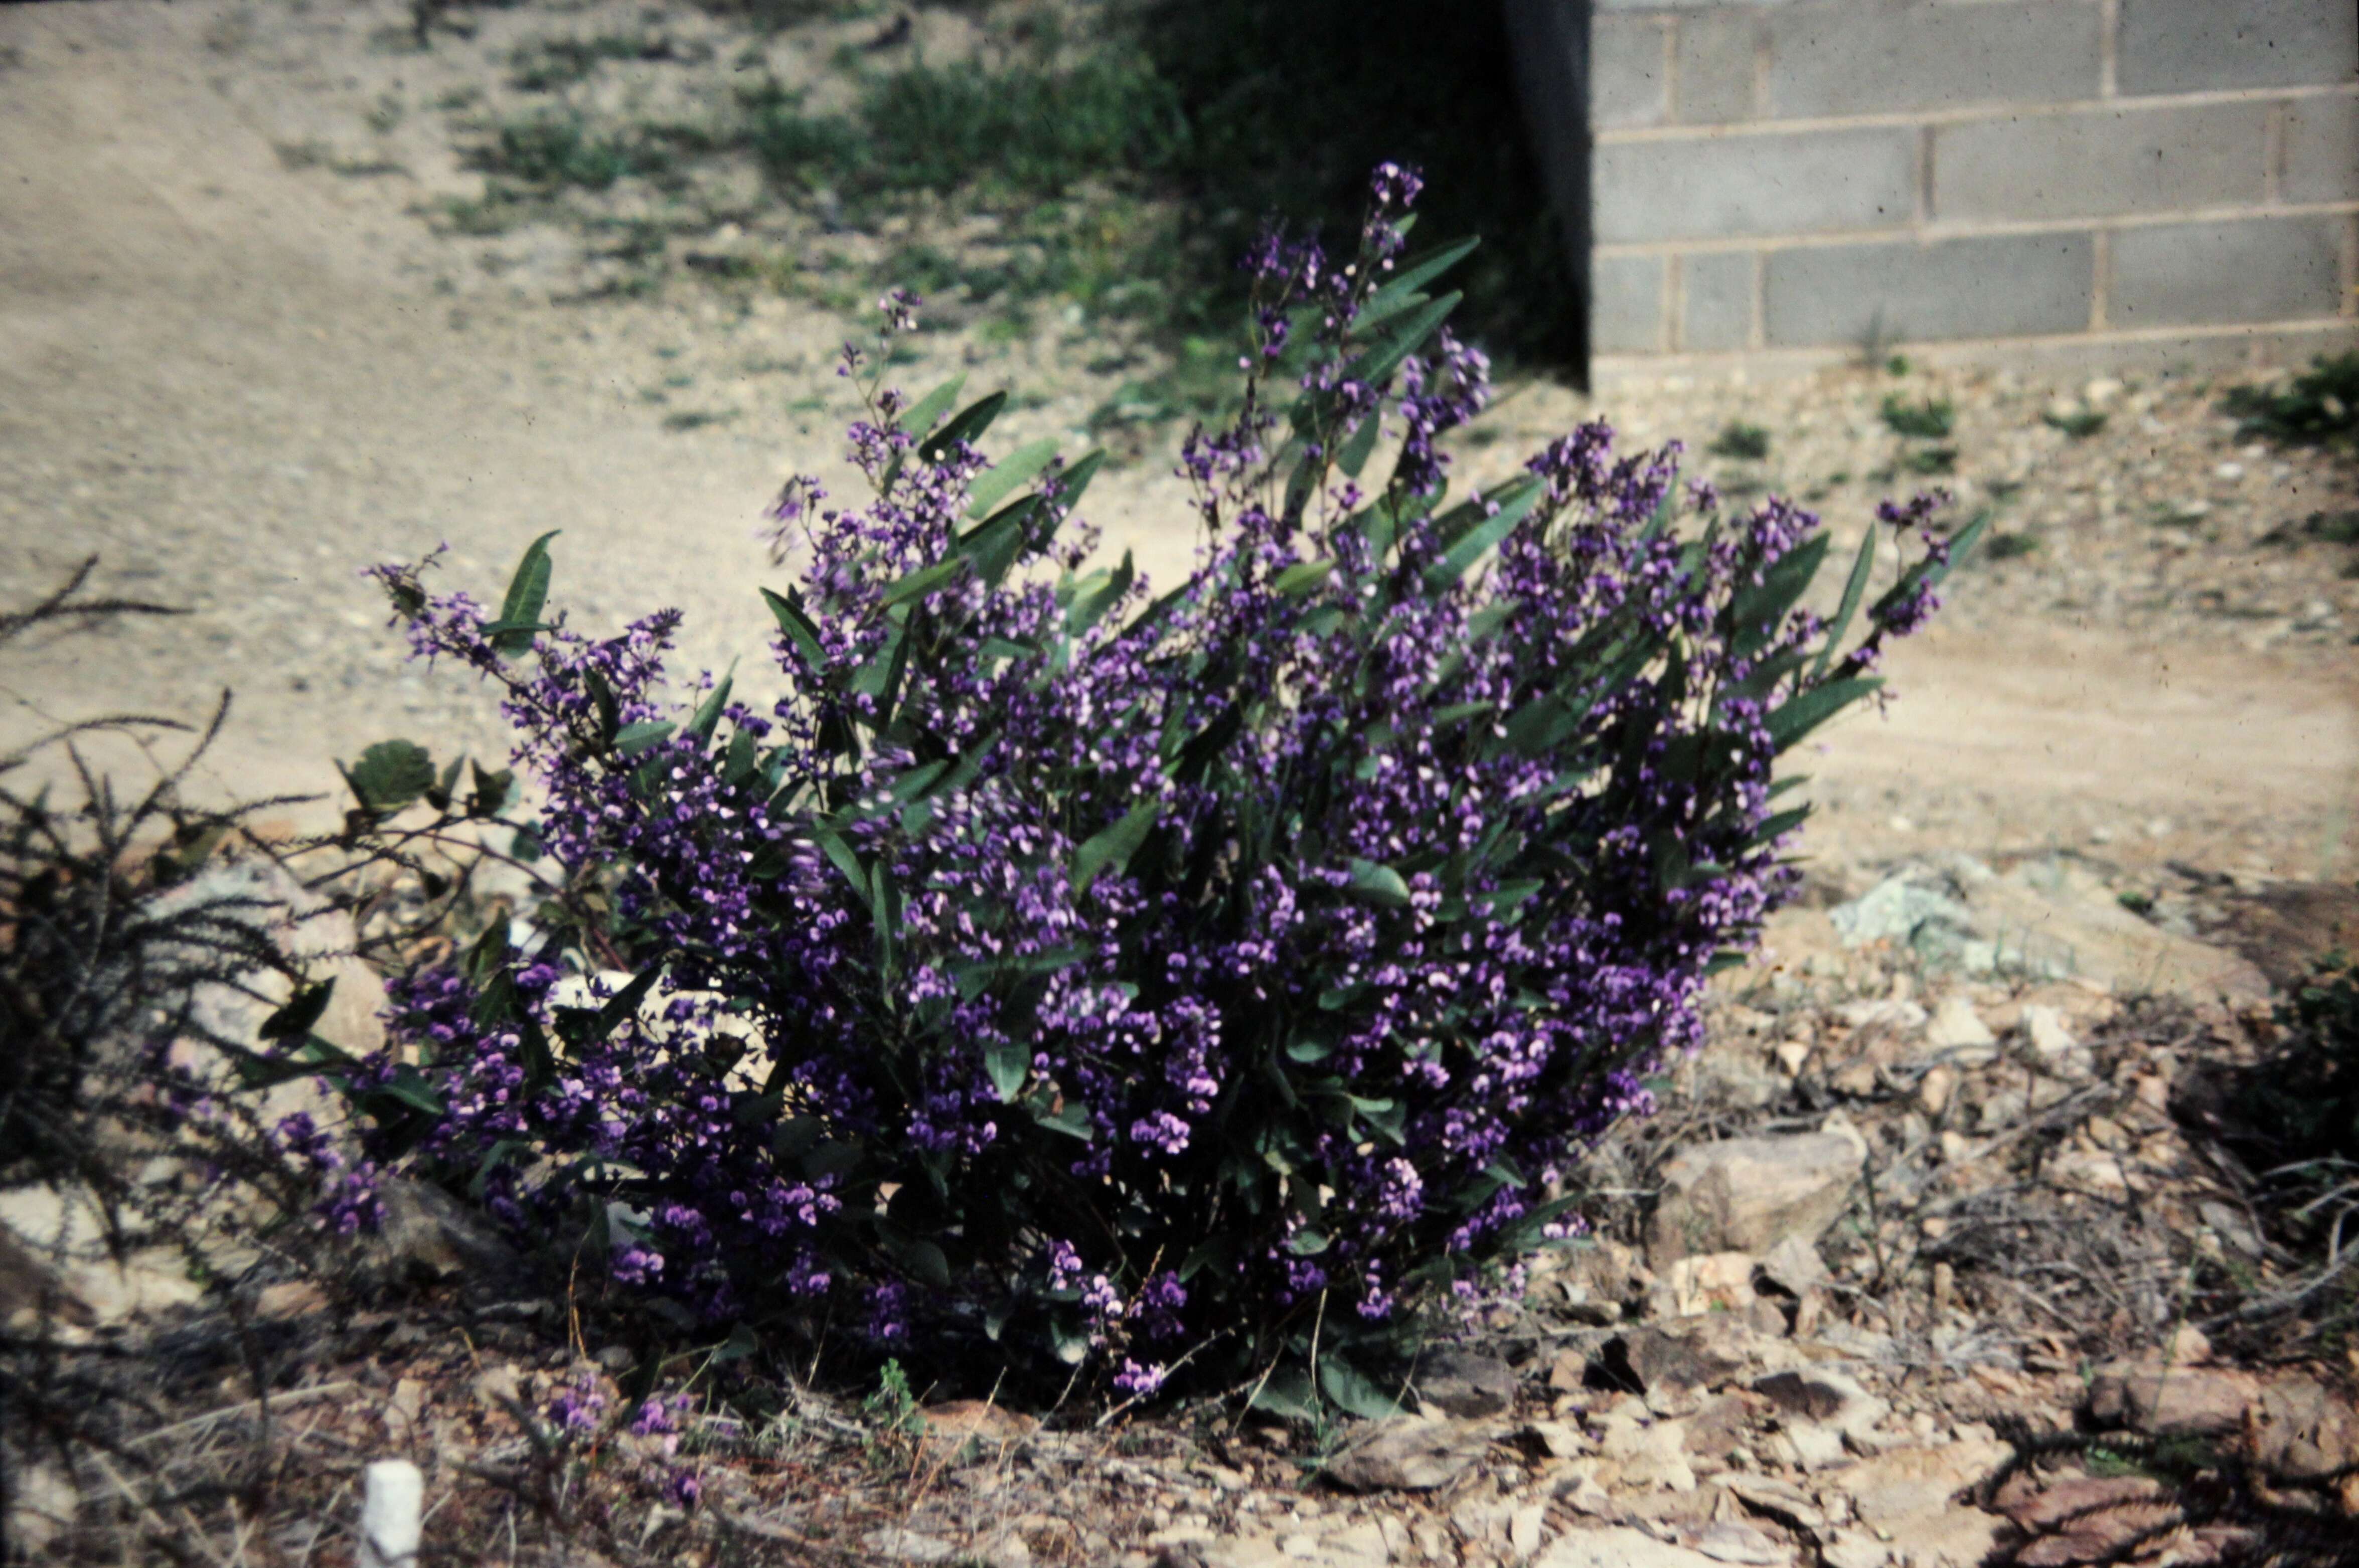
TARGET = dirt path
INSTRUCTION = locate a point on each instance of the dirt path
(239, 383)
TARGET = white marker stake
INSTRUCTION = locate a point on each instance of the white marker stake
(392, 1491)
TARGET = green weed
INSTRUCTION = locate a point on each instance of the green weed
(2317, 408)
(545, 65)
(1929, 418)
(2078, 423)
(2011, 547)
(696, 419)
(1739, 439)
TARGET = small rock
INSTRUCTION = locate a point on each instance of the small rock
(970, 1428)
(909, 1546)
(1467, 1385)
(1795, 1266)
(1618, 1546)
(1934, 1089)
(2044, 1027)
(1908, 1495)
(1854, 1549)
(2189, 1401)
(1557, 1440)
(1746, 1195)
(1957, 1028)
(1407, 1454)
(1716, 1281)
(428, 1234)
(2302, 1430)
(1825, 1396)
(1729, 1540)
(1527, 1528)
(1778, 1499)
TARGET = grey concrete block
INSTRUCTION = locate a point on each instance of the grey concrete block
(1627, 82)
(1626, 304)
(1717, 310)
(1869, 56)
(1713, 82)
(2322, 149)
(2261, 269)
(2190, 45)
(1984, 286)
(2101, 163)
(1767, 184)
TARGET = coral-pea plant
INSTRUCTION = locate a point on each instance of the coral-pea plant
(1051, 973)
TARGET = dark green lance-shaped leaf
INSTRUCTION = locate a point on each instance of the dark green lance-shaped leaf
(1076, 479)
(994, 544)
(1755, 613)
(1009, 1062)
(1863, 567)
(1376, 365)
(1379, 884)
(302, 1012)
(1395, 295)
(1359, 446)
(1352, 1390)
(1784, 822)
(840, 855)
(528, 592)
(1012, 473)
(884, 899)
(923, 581)
(391, 774)
(539, 1066)
(1515, 500)
(1095, 594)
(801, 632)
(918, 417)
(633, 739)
(967, 425)
(1962, 545)
(1302, 577)
(707, 714)
(1111, 849)
(1801, 716)
(439, 797)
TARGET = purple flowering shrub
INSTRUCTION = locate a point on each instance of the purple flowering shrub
(1139, 983)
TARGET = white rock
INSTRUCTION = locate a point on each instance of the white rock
(1956, 1026)
(1619, 1546)
(392, 1491)
(2044, 1026)
(1527, 1528)
(1748, 1194)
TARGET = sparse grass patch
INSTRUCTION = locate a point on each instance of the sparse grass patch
(563, 149)
(696, 419)
(1739, 439)
(2078, 423)
(1929, 419)
(2011, 547)
(547, 65)
(2317, 408)
(1933, 459)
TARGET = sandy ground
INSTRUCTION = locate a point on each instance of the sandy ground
(238, 383)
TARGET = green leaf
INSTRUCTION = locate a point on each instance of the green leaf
(1286, 1392)
(1379, 884)
(1863, 567)
(707, 714)
(1962, 545)
(1068, 1118)
(923, 581)
(1801, 714)
(995, 543)
(1302, 577)
(390, 775)
(491, 789)
(967, 425)
(1013, 472)
(1393, 297)
(295, 1020)
(1756, 614)
(1783, 822)
(919, 417)
(1352, 1390)
(1009, 1062)
(801, 632)
(1520, 497)
(1097, 594)
(633, 739)
(528, 592)
(1359, 447)
(1076, 479)
(1377, 367)
(840, 853)
(1111, 849)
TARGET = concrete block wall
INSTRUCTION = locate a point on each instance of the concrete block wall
(2091, 178)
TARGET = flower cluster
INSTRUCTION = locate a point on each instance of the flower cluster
(1116, 976)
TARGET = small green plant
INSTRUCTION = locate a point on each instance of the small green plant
(696, 419)
(1929, 419)
(2078, 423)
(2317, 408)
(562, 149)
(2011, 547)
(1738, 439)
(1933, 459)
(2133, 900)
(545, 65)
(1897, 365)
